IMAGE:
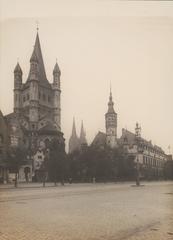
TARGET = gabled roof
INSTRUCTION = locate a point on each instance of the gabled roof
(100, 139)
(56, 69)
(18, 69)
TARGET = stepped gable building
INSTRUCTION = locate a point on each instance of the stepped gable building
(77, 143)
(36, 118)
(151, 157)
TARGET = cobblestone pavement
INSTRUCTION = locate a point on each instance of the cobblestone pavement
(87, 212)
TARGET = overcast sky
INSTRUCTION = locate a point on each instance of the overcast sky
(129, 44)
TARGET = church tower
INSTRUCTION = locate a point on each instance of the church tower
(33, 91)
(111, 124)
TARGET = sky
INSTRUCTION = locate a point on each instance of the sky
(128, 44)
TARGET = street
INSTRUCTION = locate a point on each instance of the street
(112, 211)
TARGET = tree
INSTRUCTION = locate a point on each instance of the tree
(57, 161)
(168, 170)
(16, 158)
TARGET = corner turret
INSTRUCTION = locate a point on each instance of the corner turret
(17, 88)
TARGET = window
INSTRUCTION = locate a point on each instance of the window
(28, 96)
(44, 97)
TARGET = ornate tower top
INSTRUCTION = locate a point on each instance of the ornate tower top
(110, 104)
(138, 130)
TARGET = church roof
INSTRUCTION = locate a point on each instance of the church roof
(18, 69)
(100, 139)
(49, 128)
(56, 68)
(37, 56)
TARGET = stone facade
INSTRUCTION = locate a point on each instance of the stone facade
(36, 118)
(151, 158)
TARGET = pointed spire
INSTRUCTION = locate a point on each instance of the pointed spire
(37, 56)
(82, 135)
(18, 69)
(110, 103)
(56, 69)
(34, 57)
(74, 128)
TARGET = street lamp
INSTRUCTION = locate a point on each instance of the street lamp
(139, 151)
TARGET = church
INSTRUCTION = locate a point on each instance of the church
(36, 117)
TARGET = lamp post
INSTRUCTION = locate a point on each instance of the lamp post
(139, 151)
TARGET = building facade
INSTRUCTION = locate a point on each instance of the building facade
(36, 118)
(151, 158)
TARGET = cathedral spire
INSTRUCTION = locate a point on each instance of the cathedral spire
(74, 134)
(82, 135)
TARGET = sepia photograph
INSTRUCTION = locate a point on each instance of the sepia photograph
(86, 120)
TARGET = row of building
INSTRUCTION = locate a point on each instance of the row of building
(36, 120)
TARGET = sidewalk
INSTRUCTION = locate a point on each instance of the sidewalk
(23, 185)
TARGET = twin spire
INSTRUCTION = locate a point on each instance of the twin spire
(82, 138)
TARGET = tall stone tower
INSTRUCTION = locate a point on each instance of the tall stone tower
(37, 101)
(37, 111)
(111, 124)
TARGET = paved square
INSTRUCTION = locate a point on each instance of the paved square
(87, 212)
